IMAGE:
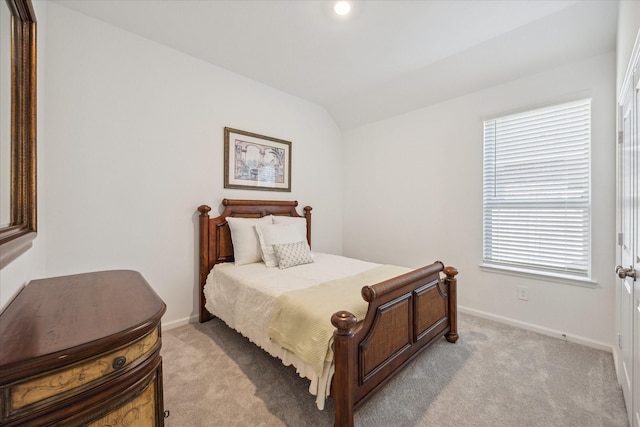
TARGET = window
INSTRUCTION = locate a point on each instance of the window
(536, 191)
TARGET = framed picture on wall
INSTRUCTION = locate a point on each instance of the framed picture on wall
(256, 162)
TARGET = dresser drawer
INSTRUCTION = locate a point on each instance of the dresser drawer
(61, 384)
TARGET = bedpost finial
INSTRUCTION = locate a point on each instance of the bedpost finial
(204, 210)
(450, 272)
(344, 322)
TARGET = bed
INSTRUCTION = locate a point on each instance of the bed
(403, 314)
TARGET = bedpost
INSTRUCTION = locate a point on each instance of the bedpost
(307, 215)
(204, 259)
(452, 283)
(345, 365)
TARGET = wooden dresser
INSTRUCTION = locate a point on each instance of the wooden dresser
(82, 350)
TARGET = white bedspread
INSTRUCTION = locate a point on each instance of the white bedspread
(243, 297)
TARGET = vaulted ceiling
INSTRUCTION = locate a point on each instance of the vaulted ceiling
(385, 58)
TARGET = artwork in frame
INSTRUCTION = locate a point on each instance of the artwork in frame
(256, 162)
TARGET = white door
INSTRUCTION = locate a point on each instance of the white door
(630, 259)
(629, 243)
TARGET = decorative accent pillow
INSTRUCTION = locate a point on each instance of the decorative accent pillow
(246, 246)
(291, 254)
(272, 234)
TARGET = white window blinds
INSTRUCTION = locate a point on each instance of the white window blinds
(536, 190)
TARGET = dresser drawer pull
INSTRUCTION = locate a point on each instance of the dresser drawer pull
(119, 362)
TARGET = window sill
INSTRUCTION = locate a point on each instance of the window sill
(539, 275)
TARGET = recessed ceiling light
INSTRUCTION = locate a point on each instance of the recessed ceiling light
(342, 8)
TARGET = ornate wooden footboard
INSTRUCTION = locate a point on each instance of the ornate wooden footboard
(405, 315)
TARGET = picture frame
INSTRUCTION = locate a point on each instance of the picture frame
(256, 162)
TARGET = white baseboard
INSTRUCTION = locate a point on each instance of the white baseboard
(534, 328)
(180, 322)
(518, 324)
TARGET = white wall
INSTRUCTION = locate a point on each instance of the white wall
(413, 195)
(134, 145)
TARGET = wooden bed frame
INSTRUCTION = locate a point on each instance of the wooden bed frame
(406, 314)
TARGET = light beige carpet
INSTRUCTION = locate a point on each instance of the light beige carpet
(495, 375)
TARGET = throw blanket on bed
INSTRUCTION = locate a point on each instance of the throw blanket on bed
(301, 321)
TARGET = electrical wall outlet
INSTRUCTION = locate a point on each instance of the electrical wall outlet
(523, 293)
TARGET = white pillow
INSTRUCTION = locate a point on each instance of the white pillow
(302, 223)
(272, 234)
(291, 254)
(246, 247)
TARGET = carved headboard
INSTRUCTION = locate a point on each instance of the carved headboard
(215, 237)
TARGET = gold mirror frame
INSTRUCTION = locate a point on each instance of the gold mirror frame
(17, 237)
